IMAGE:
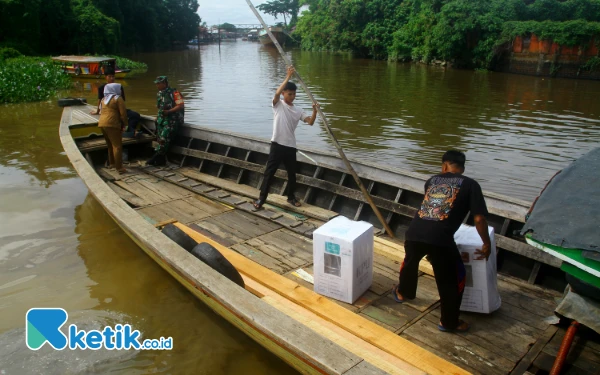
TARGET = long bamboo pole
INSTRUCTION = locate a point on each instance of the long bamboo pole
(326, 123)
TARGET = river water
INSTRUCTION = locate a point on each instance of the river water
(58, 248)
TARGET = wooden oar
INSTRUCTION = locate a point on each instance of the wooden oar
(327, 128)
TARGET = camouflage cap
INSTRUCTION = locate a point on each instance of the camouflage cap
(161, 79)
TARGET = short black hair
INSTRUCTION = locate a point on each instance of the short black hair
(455, 157)
(290, 86)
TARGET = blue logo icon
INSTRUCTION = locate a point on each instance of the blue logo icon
(43, 325)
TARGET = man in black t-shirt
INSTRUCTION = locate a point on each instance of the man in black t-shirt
(449, 197)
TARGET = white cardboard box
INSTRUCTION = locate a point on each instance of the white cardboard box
(481, 287)
(343, 258)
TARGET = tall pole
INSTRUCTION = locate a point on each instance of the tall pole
(326, 125)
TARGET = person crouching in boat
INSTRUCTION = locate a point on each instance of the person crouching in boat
(283, 143)
(113, 120)
(171, 111)
(449, 197)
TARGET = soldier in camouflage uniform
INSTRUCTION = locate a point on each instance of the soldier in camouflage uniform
(170, 117)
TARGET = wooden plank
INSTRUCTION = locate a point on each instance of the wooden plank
(584, 352)
(525, 362)
(278, 200)
(185, 210)
(127, 196)
(458, 349)
(285, 246)
(534, 272)
(141, 191)
(328, 310)
(164, 223)
(236, 226)
(527, 251)
(166, 189)
(370, 353)
(545, 361)
(499, 334)
(383, 316)
(261, 258)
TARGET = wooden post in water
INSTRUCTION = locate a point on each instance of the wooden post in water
(326, 124)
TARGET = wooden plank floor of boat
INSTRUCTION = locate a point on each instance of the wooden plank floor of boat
(514, 338)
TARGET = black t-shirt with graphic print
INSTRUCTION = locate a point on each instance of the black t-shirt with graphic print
(448, 199)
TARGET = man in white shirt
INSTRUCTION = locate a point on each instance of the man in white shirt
(283, 143)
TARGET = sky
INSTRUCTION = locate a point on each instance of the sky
(215, 12)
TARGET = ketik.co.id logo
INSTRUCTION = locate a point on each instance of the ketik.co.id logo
(43, 326)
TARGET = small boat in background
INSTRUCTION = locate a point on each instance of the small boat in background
(277, 32)
(90, 66)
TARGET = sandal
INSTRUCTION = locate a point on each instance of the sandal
(462, 327)
(258, 203)
(395, 294)
(294, 202)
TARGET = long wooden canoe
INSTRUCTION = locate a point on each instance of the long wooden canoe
(207, 190)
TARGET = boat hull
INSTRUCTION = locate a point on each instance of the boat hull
(277, 33)
(307, 352)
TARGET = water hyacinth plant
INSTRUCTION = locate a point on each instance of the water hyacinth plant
(28, 79)
(125, 63)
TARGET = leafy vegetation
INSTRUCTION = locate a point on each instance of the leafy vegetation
(124, 63)
(27, 79)
(95, 26)
(470, 33)
(285, 8)
(8, 53)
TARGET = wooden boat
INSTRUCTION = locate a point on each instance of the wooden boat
(278, 33)
(207, 190)
(90, 66)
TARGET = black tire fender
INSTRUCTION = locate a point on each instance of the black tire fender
(179, 237)
(213, 258)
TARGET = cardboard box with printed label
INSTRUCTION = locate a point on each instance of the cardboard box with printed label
(343, 259)
(481, 284)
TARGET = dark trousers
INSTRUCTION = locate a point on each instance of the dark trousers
(277, 155)
(132, 120)
(449, 273)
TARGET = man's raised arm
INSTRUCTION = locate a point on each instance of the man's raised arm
(290, 73)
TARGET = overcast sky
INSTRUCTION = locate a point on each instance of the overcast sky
(215, 12)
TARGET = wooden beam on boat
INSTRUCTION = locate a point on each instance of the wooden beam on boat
(527, 250)
(512, 208)
(301, 179)
(328, 310)
(379, 358)
(278, 200)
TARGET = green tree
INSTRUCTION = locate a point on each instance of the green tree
(285, 8)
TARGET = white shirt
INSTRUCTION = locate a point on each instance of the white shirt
(285, 122)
